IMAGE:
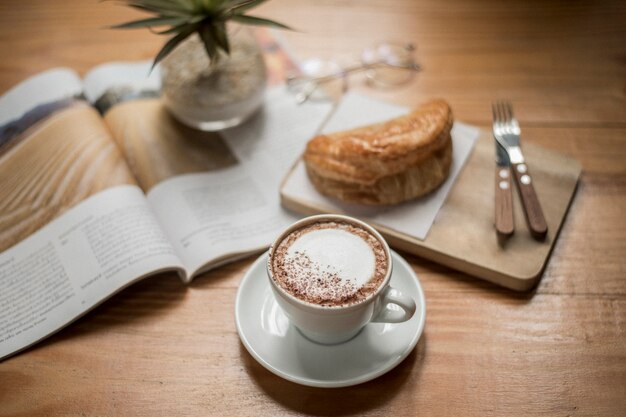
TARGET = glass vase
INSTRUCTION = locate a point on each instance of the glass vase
(210, 94)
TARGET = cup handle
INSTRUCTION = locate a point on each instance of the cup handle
(390, 300)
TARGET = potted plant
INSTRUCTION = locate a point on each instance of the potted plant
(212, 69)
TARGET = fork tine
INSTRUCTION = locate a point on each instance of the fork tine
(494, 113)
(501, 119)
(505, 109)
(510, 110)
(506, 115)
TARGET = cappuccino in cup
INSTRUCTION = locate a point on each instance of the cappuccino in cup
(330, 276)
(330, 263)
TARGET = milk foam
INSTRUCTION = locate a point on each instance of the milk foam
(339, 252)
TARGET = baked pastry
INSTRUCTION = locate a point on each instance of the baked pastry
(384, 163)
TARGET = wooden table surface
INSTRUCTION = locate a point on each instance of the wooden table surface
(159, 348)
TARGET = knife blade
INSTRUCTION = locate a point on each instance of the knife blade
(504, 221)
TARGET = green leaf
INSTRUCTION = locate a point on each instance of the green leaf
(241, 6)
(181, 18)
(258, 21)
(162, 6)
(150, 22)
(210, 46)
(218, 32)
(198, 6)
(172, 43)
(179, 28)
(211, 7)
(138, 4)
(188, 4)
(172, 30)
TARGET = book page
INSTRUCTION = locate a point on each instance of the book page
(270, 142)
(156, 146)
(46, 87)
(216, 215)
(75, 262)
(115, 82)
(54, 153)
(33, 101)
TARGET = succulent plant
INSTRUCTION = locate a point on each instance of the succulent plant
(207, 18)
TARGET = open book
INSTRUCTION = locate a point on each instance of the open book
(100, 187)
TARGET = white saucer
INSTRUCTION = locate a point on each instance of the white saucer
(278, 346)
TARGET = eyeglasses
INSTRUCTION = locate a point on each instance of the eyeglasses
(385, 65)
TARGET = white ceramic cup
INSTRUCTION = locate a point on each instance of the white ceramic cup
(337, 324)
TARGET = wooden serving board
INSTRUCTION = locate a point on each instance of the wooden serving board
(463, 236)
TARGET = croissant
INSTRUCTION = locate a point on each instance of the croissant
(384, 163)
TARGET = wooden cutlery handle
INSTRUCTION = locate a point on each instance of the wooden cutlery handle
(505, 225)
(532, 209)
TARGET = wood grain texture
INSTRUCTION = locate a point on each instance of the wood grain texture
(161, 349)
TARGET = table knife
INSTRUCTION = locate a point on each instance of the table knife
(505, 224)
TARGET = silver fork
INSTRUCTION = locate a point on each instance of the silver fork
(507, 132)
